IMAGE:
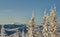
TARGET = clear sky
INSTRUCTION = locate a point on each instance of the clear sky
(21, 10)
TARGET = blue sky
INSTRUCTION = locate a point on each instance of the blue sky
(21, 10)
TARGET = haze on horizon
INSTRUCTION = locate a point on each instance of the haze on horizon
(21, 10)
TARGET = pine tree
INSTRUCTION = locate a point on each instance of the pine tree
(45, 25)
(53, 22)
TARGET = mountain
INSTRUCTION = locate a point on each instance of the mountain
(20, 28)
